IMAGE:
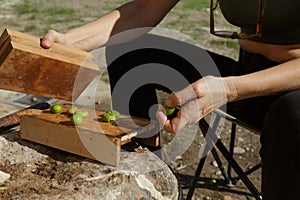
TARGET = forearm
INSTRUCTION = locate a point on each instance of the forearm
(135, 14)
(280, 78)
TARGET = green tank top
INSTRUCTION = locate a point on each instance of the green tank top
(281, 21)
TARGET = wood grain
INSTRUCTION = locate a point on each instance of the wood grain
(28, 68)
(84, 143)
(93, 138)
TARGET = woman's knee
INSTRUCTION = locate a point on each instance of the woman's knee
(280, 150)
(284, 114)
(281, 128)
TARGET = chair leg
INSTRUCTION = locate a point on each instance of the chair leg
(230, 159)
(220, 165)
(214, 151)
(210, 132)
(249, 171)
(207, 148)
(231, 181)
(195, 179)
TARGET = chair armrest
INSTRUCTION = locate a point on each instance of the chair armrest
(236, 121)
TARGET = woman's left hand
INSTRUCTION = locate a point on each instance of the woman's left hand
(195, 101)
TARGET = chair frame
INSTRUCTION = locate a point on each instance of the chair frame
(210, 134)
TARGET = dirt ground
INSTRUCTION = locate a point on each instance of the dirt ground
(211, 183)
(209, 186)
(51, 175)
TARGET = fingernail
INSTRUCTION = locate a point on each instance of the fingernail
(47, 42)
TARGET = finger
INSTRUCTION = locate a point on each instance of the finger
(50, 38)
(181, 97)
(171, 126)
(167, 124)
(174, 125)
(160, 115)
(192, 111)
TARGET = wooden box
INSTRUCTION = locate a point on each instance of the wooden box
(93, 138)
(28, 68)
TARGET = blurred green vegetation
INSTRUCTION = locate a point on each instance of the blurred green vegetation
(196, 4)
(36, 17)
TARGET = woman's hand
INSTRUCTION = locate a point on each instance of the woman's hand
(195, 102)
(97, 33)
(53, 37)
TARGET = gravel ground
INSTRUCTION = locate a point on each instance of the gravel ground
(183, 163)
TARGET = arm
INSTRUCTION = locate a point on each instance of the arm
(135, 14)
(281, 78)
(209, 93)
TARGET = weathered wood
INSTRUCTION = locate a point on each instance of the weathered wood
(93, 138)
(28, 68)
(67, 138)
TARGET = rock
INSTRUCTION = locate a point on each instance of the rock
(3, 177)
(239, 150)
(59, 175)
(218, 173)
(214, 163)
(227, 197)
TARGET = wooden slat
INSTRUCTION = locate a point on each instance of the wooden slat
(93, 138)
(28, 68)
(84, 142)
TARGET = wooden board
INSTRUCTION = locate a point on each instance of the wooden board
(28, 68)
(93, 139)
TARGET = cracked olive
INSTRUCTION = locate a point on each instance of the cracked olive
(77, 119)
(55, 108)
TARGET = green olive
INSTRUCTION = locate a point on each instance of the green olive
(55, 108)
(114, 113)
(72, 110)
(213, 181)
(169, 111)
(108, 117)
(76, 119)
(84, 114)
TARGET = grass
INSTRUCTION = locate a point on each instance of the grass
(28, 7)
(190, 17)
(60, 11)
(25, 8)
(225, 42)
(196, 4)
(30, 28)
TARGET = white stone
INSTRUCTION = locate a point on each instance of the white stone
(214, 163)
(239, 150)
(3, 177)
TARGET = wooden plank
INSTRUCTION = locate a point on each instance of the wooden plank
(150, 141)
(83, 142)
(93, 138)
(28, 68)
(148, 134)
(92, 123)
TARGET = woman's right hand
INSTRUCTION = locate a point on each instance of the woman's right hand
(52, 37)
(195, 101)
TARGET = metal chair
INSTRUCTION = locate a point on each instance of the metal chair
(210, 134)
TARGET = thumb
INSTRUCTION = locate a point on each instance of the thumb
(50, 38)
